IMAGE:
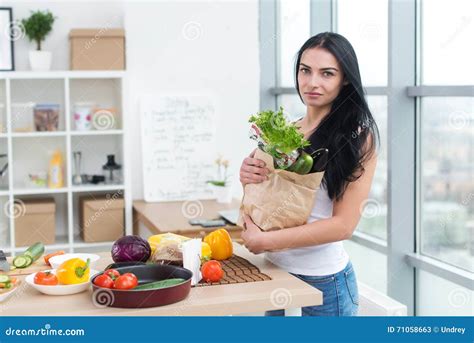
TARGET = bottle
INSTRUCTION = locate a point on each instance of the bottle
(55, 176)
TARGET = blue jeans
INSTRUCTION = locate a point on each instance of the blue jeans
(340, 294)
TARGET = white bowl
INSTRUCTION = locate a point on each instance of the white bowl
(56, 261)
(4, 296)
(59, 289)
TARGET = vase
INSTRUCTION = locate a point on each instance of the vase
(40, 60)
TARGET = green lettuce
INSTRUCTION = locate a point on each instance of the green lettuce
(280, 135)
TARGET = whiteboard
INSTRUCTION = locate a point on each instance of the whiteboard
(178, 147)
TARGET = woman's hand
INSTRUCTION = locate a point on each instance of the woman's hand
(252, 236)
(253, 170)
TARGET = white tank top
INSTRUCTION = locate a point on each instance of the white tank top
(317, 260)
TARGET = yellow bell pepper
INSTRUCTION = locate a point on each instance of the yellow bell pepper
(206, 252)
(73, 271)
(220, 243)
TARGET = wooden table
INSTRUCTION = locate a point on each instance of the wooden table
(283, 291)
(160, 217)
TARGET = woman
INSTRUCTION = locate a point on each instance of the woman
(338, 118)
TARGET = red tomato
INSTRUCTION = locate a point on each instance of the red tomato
(126, 281)
(112, 273)
(104, 280)
(46, 278)
(212, 271)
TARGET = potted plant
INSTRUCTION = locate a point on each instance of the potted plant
(37, 27)
(221, 187)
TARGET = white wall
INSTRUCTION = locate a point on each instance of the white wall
(222, 60)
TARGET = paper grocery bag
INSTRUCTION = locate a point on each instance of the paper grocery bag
(283, 201)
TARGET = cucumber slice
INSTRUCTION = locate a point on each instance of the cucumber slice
(4, 278)
(21, 261)
(29, 260)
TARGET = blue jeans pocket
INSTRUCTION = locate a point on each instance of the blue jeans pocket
(351, 283)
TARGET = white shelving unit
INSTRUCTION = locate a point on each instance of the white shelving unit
(27, 150)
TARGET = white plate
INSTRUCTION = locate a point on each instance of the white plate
(56, 261)
(6, 295)
(59, 289)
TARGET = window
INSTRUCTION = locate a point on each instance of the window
(447, 176)
(374, 215)
(446, 54)
(365, 24)
(294, 31)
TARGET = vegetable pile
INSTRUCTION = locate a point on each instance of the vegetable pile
(70, 272)
(111, 278)
(280, 135)
(282, 140)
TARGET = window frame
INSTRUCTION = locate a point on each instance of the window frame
(404, 165)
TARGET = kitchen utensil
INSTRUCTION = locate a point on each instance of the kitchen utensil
(112, 171)
(3, 172)
(56, 261)
(145, 273)
(4, 265)
(60, 289)
(77, 179)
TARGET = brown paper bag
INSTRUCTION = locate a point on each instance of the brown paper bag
(283, 201)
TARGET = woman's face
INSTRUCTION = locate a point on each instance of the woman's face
(320, 77)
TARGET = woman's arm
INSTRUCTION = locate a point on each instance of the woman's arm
(346, 215)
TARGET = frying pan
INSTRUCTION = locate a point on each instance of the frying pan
(145, 273)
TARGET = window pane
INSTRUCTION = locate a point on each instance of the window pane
(374, 216)
(370, 265)
(294, 31)
(446, 55)
(365, 24)
(439, 297)
(447, 170)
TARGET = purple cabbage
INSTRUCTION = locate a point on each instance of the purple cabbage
(131, 249)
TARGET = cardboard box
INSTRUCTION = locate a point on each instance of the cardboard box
(101, 218)
(97, 49)
(36, 222)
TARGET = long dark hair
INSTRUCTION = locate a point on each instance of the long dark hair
(345, 130)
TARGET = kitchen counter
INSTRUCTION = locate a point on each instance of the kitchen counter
(283, 291)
